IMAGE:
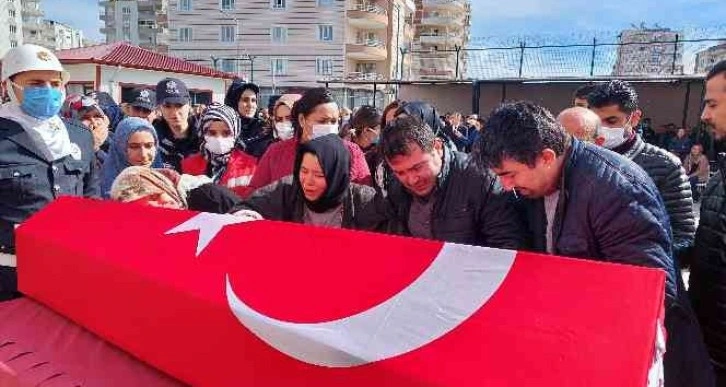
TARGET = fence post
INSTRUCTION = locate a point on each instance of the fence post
(522, 45)
(675, 54)
(458, 50)
(592, 59)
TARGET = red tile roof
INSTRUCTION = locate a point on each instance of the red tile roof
(127, 55)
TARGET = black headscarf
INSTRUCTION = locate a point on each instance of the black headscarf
(334, 159)
(423, 111)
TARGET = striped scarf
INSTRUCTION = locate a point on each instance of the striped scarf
(217, 112)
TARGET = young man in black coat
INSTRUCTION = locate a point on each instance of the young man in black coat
(587, 202)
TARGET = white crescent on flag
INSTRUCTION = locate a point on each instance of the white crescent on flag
(457, 283)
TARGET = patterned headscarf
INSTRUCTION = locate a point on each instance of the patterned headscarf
(226, 114)
(136, 183)
(75, 105)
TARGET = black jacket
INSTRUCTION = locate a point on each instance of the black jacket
(174, 150)
(672, 182)
(470, 207)
(708, 270)
(362, 208)
(255, 136)
(29, 181)
(610, 210)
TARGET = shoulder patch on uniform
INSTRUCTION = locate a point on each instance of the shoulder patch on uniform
(76, 151)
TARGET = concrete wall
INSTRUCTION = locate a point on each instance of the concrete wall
(113, 78)
(663, 102)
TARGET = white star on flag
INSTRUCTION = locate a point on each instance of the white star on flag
(209, 225)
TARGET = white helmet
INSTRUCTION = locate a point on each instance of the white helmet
(29, 57)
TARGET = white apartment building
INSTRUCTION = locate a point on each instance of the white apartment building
(11, 25)
(649, 51)
(442, 31)
(143, 23)
(706, 59)
(61, 36)
(289, 45)
(33, 24)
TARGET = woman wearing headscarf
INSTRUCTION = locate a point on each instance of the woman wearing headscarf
(166, 188)
(319, 192)
(255, 135)
(315, 115)
(110, 108)
(427, 113)
(135, 143)
(282, 116)
(219, 129)
(86, 111)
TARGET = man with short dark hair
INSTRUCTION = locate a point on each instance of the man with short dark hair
(580, 97)
(438, 195)
(616, 102)
(143, 105)
(708, 271)
(590, 203)
(177, 136)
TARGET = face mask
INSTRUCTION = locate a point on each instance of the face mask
(320, 130)
(613, 137)
(219, 145)
(41, 102)
(284, 130)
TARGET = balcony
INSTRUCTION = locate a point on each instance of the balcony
(440, 39)
(368, 16)
(366, 49)
(452, 5)
(364, 76)
(451, 21)
(436, 73)
(32, 10)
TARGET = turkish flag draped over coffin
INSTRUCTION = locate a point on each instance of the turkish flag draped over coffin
(216, 302)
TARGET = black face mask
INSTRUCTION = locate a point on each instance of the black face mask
(334, 159)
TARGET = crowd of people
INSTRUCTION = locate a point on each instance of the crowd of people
(583, 184)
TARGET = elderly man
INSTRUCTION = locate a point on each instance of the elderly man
(590, 203)
(41, 156)
(580, 123)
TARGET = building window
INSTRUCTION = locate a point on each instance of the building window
(127, 33)
(185, 5)
(13, 29)
(185, 34)
(325, 33)
(227, 5)
(227, 34)
(325, 3)
(13, 43)
(278, 34)
(324, 66)
(278, 4)
(126, 10)
(229, 65)
(11, 12)
(278, 66)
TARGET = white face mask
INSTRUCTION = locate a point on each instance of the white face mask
(613, 137)
(320, 130)
(285, 130)
(219, 145)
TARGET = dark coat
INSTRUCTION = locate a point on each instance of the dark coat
(672, 182)
(708, 270)
(610, 210)
(362, 208)
(173, 150)
(470, 207)
(29, 181)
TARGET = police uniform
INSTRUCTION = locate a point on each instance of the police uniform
(29, 180)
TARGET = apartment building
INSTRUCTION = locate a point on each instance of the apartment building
(706, 59)
(290, 45)
(11, 25)
(60, 36)
(33, 23)
(652, 51)
(442, 29)
(140, 22)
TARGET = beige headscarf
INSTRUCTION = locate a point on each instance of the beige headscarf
(134, 183)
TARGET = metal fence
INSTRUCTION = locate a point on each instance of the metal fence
(673, 55)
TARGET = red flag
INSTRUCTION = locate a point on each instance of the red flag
(213, 301)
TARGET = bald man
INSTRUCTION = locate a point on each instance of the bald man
(580, 122)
